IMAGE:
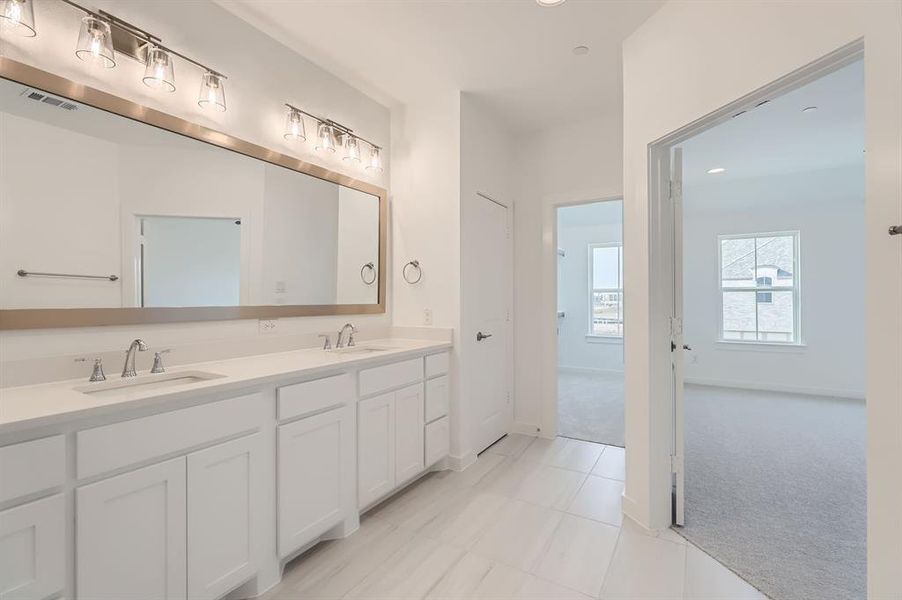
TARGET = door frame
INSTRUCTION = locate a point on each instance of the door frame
(664, 426)
(548, 418)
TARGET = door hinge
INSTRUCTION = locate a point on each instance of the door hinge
(676, 464)
(676, 326)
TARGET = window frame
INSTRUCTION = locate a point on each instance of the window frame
(592, 290)
(795, 289)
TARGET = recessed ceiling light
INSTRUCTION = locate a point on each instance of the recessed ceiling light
(809, 109)
(550, 2)
(716, 170)
(581, 50)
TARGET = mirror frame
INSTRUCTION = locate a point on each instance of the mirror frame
(47, 318)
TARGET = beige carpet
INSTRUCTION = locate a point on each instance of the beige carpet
(590, 407)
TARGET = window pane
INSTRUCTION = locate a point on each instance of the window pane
(775, 259)
(607, 311)
(620, 271)
(775, 318)
(604, 267)
(737, 265)
(739, 315)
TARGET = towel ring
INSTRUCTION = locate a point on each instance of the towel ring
(416, 265)
(363, 269)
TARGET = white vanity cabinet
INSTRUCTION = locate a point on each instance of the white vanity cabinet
(409, 412)
(131, 535)
(375, 448)
(32, 549)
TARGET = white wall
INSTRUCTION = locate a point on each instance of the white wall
(263, 75)
(575, 162)
(686, 61)
(576, 349)
(827, 208)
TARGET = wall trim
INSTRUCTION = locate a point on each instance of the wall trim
(526, 428)
(777, 387)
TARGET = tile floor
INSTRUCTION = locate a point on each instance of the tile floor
(531, 519)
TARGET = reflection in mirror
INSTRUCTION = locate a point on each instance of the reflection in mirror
(181, 223)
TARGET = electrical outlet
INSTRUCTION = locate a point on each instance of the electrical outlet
(281, 287)
(268, 325)
(427, 316)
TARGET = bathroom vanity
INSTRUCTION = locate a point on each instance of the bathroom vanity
(209, 477)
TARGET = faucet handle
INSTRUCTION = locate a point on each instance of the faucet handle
(327, 341)
(158, 361)
(97, 374)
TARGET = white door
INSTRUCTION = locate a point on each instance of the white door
(409, 449)
(375, 448)
(223, 487)
(33, 549)
(311, 479)
(488, 343)
(677, 346)
(131, 535)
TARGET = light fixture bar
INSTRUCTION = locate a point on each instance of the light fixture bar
(342, 130)
(141, 35)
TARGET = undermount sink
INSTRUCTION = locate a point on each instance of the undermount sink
(144, 383)
(361, 350)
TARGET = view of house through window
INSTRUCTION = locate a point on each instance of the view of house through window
(759, 283)
(606, 275)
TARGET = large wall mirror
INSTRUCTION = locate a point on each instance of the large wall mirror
(111, 213)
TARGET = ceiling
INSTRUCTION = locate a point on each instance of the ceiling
(778, 137)
(515, 55)
(607, 212)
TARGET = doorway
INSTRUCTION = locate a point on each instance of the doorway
(767, 338)
(590, 400)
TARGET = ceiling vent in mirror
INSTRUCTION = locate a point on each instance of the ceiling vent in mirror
(39, 96)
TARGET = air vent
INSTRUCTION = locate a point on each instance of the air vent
(39, 96)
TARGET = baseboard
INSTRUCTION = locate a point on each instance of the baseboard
(776, 387)
(524, 428)
(459, 463)
(630, 509)
(589, 371)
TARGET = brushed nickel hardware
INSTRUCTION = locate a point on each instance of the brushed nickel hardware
(482, 336)
(24, 273)
(97, 374)
(327, 341)
(128, 370)
(341, 332)
(158, 361)
(416, 265)
(363, 270)
(895, 230)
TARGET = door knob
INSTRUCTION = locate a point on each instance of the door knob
(481, 336)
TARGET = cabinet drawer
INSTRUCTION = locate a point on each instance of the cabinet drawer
(312, 396)
(437, 441)
(33, 549)
(32, 466)
(436, 398)
(121, 444)
(438, 364)
(377, 379)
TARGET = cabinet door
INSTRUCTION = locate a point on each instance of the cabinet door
(315, 455)
(408, 433)
(32, 549)
(375, 448)
(223, 487)
(131, 535)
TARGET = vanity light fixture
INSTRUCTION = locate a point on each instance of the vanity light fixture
(351, 149)
(158, 70)
(325, 137)
(212, 92)
(95, 42)
(18, 16)
(550, 2)
(294, 125)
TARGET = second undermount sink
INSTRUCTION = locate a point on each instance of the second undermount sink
(142, 383)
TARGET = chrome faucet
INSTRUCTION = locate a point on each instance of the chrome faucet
(341, 332)
(129, 369)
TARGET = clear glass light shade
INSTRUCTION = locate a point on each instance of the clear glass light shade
(325, 138)
(95, 43)
(375, 162)
(18, 16)
(159, 72)
(212, 92)
(294, 126)
(351, 149)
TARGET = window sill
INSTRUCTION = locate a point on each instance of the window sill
(592, 338)
(762, 346)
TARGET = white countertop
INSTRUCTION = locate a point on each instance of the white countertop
(43, 404)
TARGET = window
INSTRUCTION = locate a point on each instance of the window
(606, 290)
(759, 287)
